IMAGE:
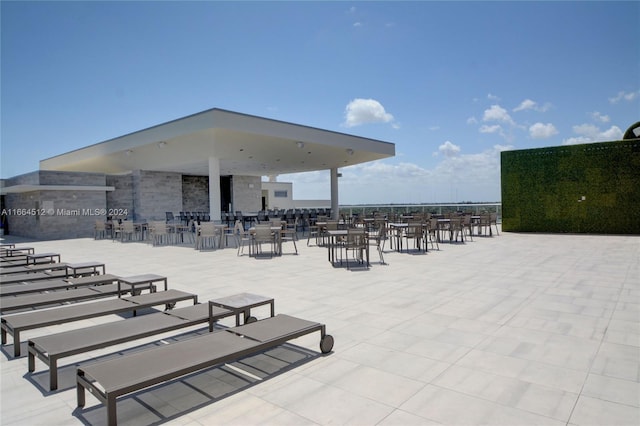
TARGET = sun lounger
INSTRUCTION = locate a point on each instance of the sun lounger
(53, 285)
(30, 269)
(36, 276)
(111, 379)
(8, 304)
(51, 348)
(14, 324)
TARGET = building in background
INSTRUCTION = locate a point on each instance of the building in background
(212, 161)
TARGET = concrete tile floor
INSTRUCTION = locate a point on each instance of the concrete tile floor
(514, 329)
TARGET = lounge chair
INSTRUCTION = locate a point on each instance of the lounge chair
(53, 285)
(8, 304)
(52, 347)
(36, 276)
(30, 269)
(14, 324)
(111, 379)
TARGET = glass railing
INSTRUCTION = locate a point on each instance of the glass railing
(370, 209)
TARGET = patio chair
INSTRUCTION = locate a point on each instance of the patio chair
(262, 234)
(15, 324)
(414, 231)
(493, 220)
(484, 225)
(208, 235)
(455, 229)
(242, 237)
(53, 347)
(356, 242)
(100, 230)
(378, 235)
(289, 235)
(431, 233)
(129, 230)
(160, 233)
(467, 226)
(120, 376)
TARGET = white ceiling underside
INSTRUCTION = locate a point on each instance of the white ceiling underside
(243, 144)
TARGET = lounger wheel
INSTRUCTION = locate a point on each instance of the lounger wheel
(170, 306)
(251, 319)
(326, 344)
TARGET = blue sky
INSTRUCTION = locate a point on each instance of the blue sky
(452, 84)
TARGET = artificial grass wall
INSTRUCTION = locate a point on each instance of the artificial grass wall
(588, 188)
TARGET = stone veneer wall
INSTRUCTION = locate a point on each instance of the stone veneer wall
(143, 195)
(120, 200)
(195, 193)
(245, 197)
(155, 193)
(47, 215)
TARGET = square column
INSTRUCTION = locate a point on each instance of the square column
(214, 189)
(335, 213)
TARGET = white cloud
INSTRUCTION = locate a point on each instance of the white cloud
(624, 96)
(459, 177)
(528, 104)
(472, 120)
(589, 133)
(497, 113)
(362, 111)
(542, 131)
(493, 97)
(449, 149)
(357, 24)
(599, 117)
(496, 128)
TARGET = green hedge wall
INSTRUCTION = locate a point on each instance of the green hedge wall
(588, 188)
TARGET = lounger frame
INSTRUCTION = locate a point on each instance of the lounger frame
(244, 339)
(53, 285)
(43, 318)
(33, 276)
(9, 304)
(104, 335)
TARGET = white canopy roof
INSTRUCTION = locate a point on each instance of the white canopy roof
(243, 144)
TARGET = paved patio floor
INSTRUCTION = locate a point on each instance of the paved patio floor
(515, 329)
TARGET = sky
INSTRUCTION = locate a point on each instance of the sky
(451, 84)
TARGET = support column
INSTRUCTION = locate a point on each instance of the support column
(214, 188)
(335, 213)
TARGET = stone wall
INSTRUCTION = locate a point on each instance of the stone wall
(54, 214)
(120, 200)
(247, 193)
(155, 193)
(195, 194)
(70, 214)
